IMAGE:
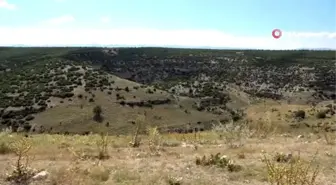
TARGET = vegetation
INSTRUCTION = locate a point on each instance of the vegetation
(97, 111)
(88, 116)
(34, 80)
(99, 159)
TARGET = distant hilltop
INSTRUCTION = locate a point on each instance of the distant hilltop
(317, 49)
(165, 46)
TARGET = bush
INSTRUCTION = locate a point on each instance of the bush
(127, 89)
(4, 148)
(329, 106)
(293, 172)
(27, 127)
(219, 161)
(29, 118)
(300, 114)
(321, 115)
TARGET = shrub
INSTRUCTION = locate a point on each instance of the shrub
(321, 115)
(102, 144)
(29, 118)
(5, 148)
(219, 161)
(127, 89)
(97, 111)
(22, 173)
(300, 114)
(293, 172)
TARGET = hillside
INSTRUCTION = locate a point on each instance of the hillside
(124, 116)
(56, 89)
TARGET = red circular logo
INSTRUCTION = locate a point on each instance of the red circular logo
(276, 33)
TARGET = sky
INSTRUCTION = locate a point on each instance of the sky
(166, 23)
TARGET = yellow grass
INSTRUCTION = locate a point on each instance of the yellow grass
(73, 159)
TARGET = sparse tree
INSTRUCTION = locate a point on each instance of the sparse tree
(97, 113)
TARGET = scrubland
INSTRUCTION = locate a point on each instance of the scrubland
(245, 153)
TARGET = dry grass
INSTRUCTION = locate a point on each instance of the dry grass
(174, 164)
(179, 159)
(290, 170)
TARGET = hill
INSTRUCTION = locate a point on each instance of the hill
(166, 116)
(56, 89)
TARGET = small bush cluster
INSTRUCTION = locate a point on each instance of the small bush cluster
(219, 161)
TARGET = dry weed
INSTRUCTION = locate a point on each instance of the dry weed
(329, 137)
(174, 180)
(154, 140)
(140, 121)
(22, 172)
(233, 134)
(262, 129)
(102, 145)
(4, 145)
(290, 172)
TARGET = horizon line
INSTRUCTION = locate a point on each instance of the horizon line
(167, 47)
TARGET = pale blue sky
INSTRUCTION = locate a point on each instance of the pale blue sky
(247, 18)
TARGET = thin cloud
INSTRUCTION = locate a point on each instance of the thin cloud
(331, 35)
(42, 36)
(4, 4)
(61, 20)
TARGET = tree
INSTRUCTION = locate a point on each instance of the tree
(97, 113)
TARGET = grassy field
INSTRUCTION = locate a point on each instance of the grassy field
(262, 151)
(75, 116)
